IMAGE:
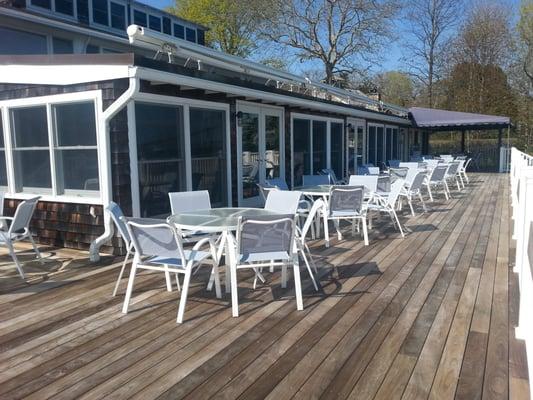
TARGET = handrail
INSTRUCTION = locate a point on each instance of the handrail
(521, 177)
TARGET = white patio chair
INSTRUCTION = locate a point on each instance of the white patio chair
(447, 157)
(278, 183)
(116, 214)
(451, 174)
(437, 178)
(286, 202)
(387, 204)
(266, 242)
(181, 202)
(394, 163)
(19, 229)
(462, 171)
(158, 247)
(409, 165)
(413, 187)
(373, 170)
(432, 164)
(315, 180)
(345, 203)
(458, 173)
(333, 179)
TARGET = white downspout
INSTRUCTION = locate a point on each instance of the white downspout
(107, 191)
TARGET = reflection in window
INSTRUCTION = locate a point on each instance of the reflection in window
(65, 7)
(100, 15)
(154, 23)
(201, 36)
(62, 46)
(272, 146)
(167, 26)
(208, 153)
(140, 18)
(92, 49)
(15, 42)
(301, 149)
(42, 3)
(250, 154)
(160, 151)
(118, 16)
(31, 153)
(82, 9)
(337, 149)
(319, 146)
(3, 169)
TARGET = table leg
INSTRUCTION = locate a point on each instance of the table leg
(232, 265)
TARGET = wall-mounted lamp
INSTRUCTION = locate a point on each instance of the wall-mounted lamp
(239, 118)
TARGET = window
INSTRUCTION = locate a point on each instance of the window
(388, 144)
(76, 153)
(208, 153)
(31, 152)
(380, 143)
(3, 169)
(167, 26)
(160, 154)
(155, 23)
(57, 156)
(65, 7)
(179, 31)
(100, 14)
(92, 49)
(83, 11)
(62, 46)
(17, 42)
(301, 149)
(118, 16)
(42, 3)
(337, 149)
(139, 18)
(201, 36)
(371, 145)
(190, 34)
(395, 144)
(319, 146)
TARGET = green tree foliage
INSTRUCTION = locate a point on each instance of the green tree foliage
(233, 24)
(396, 87)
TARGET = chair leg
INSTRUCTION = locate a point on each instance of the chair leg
(326, 230)
(121, 273)
(129, 289)
(298, 285)
(410, 201)
(177, 281)
(39, 256)
(430, 194)
(365, 231)
(167, 278)
(336, 223)
(398, 223)
(218, 290)
(183, 298)
(16, 260)
(302, 251)
(422, 201)
(284, 276)
(306, 248)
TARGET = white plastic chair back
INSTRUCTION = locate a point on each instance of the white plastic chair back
(417, 182)
(278, 183)
(447, 157)
(331, 176)
(189, 201)
(345, 200)
(394, 163)
(438, 174)
(384, 183)
(272, 234)
(461, 164)
(411, 175)
(153, 238)
(283, 201)
(409, 165)
(452, 170)
(117, 215)
(395, 190)
(370, 182)
(432, 163)
(467, 163)
(314, 180)
(23, 214)
(373, 170)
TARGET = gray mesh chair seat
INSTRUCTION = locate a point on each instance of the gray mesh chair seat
(158, 247)
(451, 174)
(345, 203)
(19, 229)
(267, 242)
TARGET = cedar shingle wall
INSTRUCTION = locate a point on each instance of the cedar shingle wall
(72, 225)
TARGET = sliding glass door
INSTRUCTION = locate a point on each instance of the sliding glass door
(356, 145)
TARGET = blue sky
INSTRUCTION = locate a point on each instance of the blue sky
(391, 56)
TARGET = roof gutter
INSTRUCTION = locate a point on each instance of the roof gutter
(107, 192)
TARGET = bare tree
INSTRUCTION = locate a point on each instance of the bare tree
(430, 22)
(344, 35)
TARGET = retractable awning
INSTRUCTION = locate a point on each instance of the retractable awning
(443, 120)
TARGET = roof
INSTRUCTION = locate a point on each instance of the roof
(436, 119)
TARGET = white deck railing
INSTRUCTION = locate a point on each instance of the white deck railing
(521, 174)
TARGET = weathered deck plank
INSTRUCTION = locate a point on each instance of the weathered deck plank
(431, 315)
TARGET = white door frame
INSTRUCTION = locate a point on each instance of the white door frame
(356, 123)
(262, 111)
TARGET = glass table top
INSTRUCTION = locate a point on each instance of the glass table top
(216, 219)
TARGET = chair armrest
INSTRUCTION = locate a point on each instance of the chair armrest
(8, 218)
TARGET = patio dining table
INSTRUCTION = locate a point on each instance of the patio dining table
(224, 221)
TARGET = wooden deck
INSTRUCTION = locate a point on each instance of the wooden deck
(430, 316)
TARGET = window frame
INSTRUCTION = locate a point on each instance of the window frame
(69, 195)
(312, 118)
(52, 10)
(187, 104)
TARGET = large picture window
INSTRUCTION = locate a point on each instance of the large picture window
(54, 149)
(160, 154)
(320, 143)
(301, 149)
(13, 42)
(3, 169)
(337, 149)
